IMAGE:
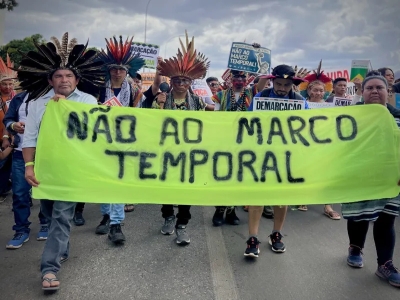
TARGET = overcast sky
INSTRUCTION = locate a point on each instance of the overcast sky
(297, 31)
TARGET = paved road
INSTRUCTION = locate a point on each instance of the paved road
(152, 266)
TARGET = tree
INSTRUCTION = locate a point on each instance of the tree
(24, 45)
(9, 4)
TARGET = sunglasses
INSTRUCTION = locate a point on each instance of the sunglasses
(181, 81)
(214, 84)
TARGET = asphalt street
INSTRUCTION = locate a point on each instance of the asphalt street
(152, 266)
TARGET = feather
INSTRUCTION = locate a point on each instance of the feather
(7, 69)
(45, 52)
(72, 44)
(56, 43)
(187, 62)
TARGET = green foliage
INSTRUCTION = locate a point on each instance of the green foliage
(9, 4)
(24, 46)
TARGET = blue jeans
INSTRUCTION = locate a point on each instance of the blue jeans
(115, 211)
(21, 196)
(59, 215)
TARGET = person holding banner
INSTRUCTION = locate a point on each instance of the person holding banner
(340, 88)
(119, 60)
(283, 78)
(66, 71)
(183, 70)
(381, 211)
(235, 98)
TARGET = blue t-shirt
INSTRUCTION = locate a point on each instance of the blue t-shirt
(273, 95)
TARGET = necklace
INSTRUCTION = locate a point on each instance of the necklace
(241, 100)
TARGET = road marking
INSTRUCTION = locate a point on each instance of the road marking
(221, 271)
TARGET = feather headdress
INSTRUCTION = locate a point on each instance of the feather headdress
(6, 71)
(187, 63)
(122, 54)
(319, 75)
(37, 66)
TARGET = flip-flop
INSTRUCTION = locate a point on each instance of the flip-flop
(302, 208)
(331, 215)
(63, 259)
(50, 280)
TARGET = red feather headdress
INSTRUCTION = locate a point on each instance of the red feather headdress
(6, 71)
(187, 63)
(317, 75)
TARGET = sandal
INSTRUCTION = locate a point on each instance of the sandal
(50, 281)
(302, 208)
(129, 208)
(246, 208)
(333, 215)
(63, 259)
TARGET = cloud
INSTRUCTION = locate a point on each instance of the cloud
(297, 31)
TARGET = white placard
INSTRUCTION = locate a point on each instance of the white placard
(341, 101)
(316, 105)
(276, 104)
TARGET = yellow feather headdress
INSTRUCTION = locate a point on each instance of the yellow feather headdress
(187, 63)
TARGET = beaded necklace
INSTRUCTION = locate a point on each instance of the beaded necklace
(242, 100)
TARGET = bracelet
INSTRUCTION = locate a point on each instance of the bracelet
(30, 163)
(12, 126)
(6, 136)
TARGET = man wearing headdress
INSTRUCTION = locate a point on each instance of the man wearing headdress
(7, 82)
(235, 98)
(119, 61)
(283, 78)
(187, 66)
(57, 70)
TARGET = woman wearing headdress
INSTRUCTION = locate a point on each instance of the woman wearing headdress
(187, 66)
(120, 61)
(317, 88)
(56, 70)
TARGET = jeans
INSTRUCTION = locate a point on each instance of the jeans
(21, 195)
(384, 235)
(115, 211)
(183, 216)
(59, 215)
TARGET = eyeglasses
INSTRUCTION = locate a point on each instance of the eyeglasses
(181, 81)
(214, 84)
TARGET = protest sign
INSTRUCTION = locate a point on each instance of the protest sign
(317, 105)
(337, 101)
(201, 88)
(99, 154)
(148, 52)
(113, 102)
(244, 57)
(359, 69)
(397, 99)
(263, 104)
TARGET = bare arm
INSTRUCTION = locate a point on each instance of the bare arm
(29, 157)
(157, 79)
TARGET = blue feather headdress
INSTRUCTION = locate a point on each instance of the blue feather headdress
(121, 55)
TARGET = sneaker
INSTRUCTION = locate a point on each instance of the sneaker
(231, 217)
(18, 240)
(116, 236)
(218, 218)
(268, 212)
(43, 233)
(78, 219)
(252, 249)
(390, 273)
(275, 240)
(182, 237)
(169, 226)
(355, 259)
(104, 226)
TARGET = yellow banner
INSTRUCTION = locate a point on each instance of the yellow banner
(124, 155)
